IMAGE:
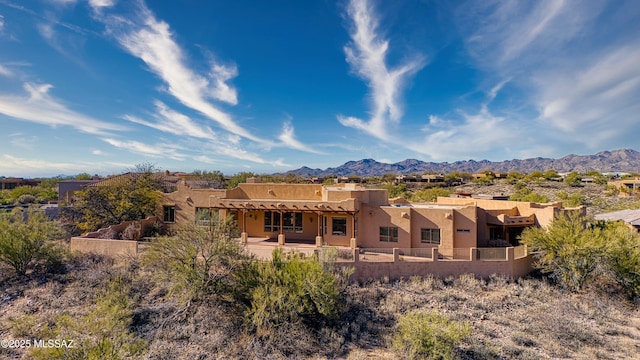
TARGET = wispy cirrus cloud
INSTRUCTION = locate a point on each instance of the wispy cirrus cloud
(40, 107)
(478, 134)
(170, 121)
(577, 78)
(12, 164)
(152, 41)
(599, 99)
(4, 71)
(288, 138)
(173, 122)
(167, 150)
(367, 54)
(99, 4)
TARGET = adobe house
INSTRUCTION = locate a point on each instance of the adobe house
(12, 183)
(351, 215)
(630, 185)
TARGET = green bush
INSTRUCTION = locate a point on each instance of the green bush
(399, 190)
(430, 335)
(573, 200)
(524, 194)
(23, 243)
(431, 195)
(575, 251)
(573, 179)
(294, 290)
(569, 250)
(623, 258)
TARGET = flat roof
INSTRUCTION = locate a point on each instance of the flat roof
(427, 206)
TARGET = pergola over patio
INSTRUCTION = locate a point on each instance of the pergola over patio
(349, 207)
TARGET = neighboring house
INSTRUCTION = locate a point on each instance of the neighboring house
(12, 183)
(629, 217)
(631, 185)
(67, 188)
(352, 215)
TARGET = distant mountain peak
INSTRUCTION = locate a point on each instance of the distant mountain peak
(624, 160)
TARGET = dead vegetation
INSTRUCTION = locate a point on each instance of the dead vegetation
(524, 319)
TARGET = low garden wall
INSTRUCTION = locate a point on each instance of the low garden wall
(369, 266)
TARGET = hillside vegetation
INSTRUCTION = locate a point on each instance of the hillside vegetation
(198, 295)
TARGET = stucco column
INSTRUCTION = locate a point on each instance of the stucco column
(396, 254)
(244, 220)
(281, 235)
(244, 237)
(356, 254)
(434, 254)
(319, 236)
(510, 253)
(474, 254)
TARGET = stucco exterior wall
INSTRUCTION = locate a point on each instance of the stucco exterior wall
(432, 219)
(278, 191)
(513, 268)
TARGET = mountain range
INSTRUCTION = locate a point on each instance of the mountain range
(623, 160)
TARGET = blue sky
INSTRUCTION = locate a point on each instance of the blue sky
(267, 86)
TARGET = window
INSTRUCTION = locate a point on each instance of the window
(292, 222)
(388, 234)
(169, 213)
(430, 236)
(463, 230)
(495, 234)
(271, 221)
(339, 226)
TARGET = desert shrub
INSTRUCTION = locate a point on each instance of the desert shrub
(26, 199)
(525, 194)
(104, 333)
(430, 335)
(25, 242)
(487, 180)
(399, 190)
(573, 179)
(431, 195)
(293, 290)
(574, 251)
(130, 232)
(573, 200)
(569, 249)
(623, 258)
(198, 261)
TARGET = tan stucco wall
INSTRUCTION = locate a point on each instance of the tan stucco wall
(278, 191)
(405, 269)
(544, 213)
(186, 200)
(409, 221)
